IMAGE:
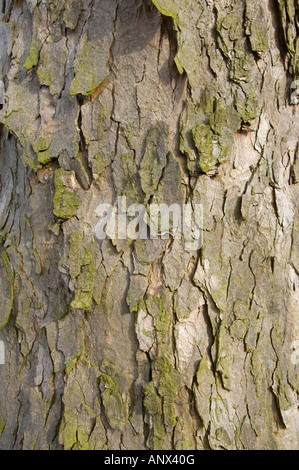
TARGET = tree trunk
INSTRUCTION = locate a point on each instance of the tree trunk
(148, 344)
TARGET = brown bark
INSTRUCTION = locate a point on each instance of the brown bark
(145, 344)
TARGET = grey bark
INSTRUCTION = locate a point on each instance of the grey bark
(145, 344)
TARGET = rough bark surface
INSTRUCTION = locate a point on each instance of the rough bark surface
(143, 344)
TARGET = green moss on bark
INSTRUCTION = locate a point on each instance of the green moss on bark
(81, 266)
(90, 67)
(110, 386)
(167, 7)
(42, 148)
(159, 396)
(6, 288)
(66, 203)
(33, 55)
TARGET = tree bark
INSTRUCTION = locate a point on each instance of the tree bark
(145, 344)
